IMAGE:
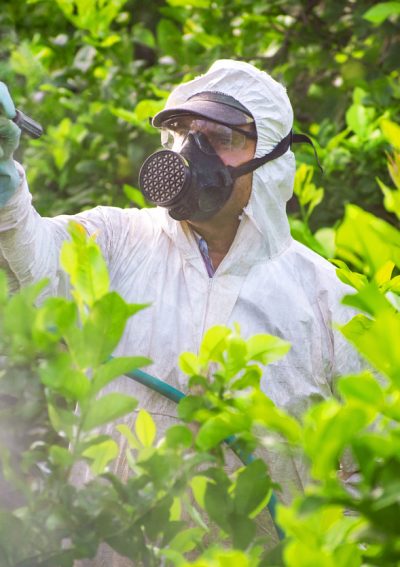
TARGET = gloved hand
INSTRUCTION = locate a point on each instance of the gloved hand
(9, 140)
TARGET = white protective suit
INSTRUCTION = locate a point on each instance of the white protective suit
(267, 282)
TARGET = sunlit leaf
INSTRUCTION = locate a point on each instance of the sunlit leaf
(266, 348)
(363, 388)
(213, 344)
(106, 409)
(82, 260)
(145, 428)
(378, 14)
(187, 539)
(218, 428)
(189, 363)
(377, 340)
(105, 325)
(100, 455)
(199, 485)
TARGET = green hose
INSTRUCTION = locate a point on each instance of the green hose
(175, 396)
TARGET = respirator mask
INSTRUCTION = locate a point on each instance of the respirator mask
(189, 177)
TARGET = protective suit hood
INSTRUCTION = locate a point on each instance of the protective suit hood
(269, 104)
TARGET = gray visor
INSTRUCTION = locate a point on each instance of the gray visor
(215, 106)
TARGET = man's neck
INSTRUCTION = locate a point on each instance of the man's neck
(219, 237)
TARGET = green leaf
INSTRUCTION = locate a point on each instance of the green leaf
(189, 363)
(110, 40)
(147, 108)
(145, 428)
(190, 3)
(106, 409)
(236, 356)
(391, 198)
(377, 341)
(329, 428)
(179, 436)
(135, 195)
(95, 16)
(114, 368)
(61, 456)
(384, 273)
(249, 379)
(217, 502)
(175, 511)
(359, 118)
(207, 40)
(60, 375)
(196, 382)
(187, 540)
(126, 115)
(264, 411)
(105, 325)
(83, 261)
(63, 421)
(366, 241)
(251, 487)
(266, 348)
(301, 232)
(307, 193)
(169, 39)
(326, 238)
(20, 312)
(101, 454)
(143, 35)
(218, 428)
(53, 319)
(188, 406)
(242, 531)
(198, 485)
(390, 129)
(363, 388)
(347, 276)
(129, 436)
(393, 285)
(213, 345)
(378, 14)
(368, 299)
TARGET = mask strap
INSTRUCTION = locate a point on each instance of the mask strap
(281, 148)
(303, 138)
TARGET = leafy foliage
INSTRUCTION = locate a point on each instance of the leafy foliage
(93, 72)
(52, 407)
(56, 362)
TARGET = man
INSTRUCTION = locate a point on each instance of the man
(206, 256)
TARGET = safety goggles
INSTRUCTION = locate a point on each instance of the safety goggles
(222, 138)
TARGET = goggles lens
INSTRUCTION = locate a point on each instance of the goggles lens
(222, 138)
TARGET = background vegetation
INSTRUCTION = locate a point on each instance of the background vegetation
(93, 72)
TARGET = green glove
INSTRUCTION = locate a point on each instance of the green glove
(9, 140)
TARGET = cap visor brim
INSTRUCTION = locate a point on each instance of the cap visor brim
(205, 109)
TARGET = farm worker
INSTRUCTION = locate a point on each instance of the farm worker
(218, 254)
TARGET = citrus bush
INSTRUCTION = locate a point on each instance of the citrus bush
(55, 362)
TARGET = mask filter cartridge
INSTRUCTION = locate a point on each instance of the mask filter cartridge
(191, 184)
(164, 178)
